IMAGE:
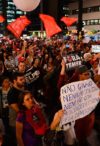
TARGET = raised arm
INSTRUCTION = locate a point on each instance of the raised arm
(56, 119)
(63, 76)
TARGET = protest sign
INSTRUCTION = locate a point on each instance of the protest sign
(96, 48)
(72, 61)
(32, 75)
(78, 100)
(86, 39)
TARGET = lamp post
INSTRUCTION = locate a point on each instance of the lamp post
(41, 11)
(80, 22)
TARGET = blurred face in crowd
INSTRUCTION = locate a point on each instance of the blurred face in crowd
(97, 80)
(46, 56)
(37, 62)
(21, 67)
(9, 57)
(28, 101)
(95, 64)
(50, 60)
(84, 76)
(98, 84)
(50, 68)
(31, 52)
(4, 55)
(6, 83)
(1, 67)
(20, 81)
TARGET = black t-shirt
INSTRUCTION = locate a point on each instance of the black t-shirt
(13, 95)
(33, 80)
(32, 75)
(12, 98)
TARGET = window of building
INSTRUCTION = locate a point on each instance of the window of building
(0, 8)
(19, 12)
(0, 12)
(11, 12)
(10, 20)
(11, 7)
(87, 22)
(10, 3)
(74, 12)
(84, 22)
(87, 10)
(96, 8)
(84, 10)
(66, 10)
(92, 22)
(96, 21)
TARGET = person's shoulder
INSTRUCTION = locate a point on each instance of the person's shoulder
(13, 95)
(13, 90)
(20, 117)
(29, 70)
(2, 129)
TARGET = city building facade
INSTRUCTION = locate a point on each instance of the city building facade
(90, 13)
(9, 11)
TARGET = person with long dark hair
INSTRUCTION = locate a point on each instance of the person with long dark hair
(30, 123)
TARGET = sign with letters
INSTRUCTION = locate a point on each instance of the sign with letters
(31, 76)
(73, 60)
(96, 48)
(78, 100)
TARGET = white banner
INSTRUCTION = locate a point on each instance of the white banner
(78, 100)
(96, 48)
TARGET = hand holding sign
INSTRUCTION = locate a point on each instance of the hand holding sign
(97, 56)
(56, 120)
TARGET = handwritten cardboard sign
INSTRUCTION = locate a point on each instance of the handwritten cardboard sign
(78, 100)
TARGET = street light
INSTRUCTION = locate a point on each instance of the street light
(41, 11)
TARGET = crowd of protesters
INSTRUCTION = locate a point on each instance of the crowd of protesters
(38, 65)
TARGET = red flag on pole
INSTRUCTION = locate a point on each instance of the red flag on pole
(1, 19)
(68, 21)
(50, 25)
(17, 26)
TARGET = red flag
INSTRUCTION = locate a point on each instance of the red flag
(17, 26)
(50, 25)
(68, 21)
(1, 19)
